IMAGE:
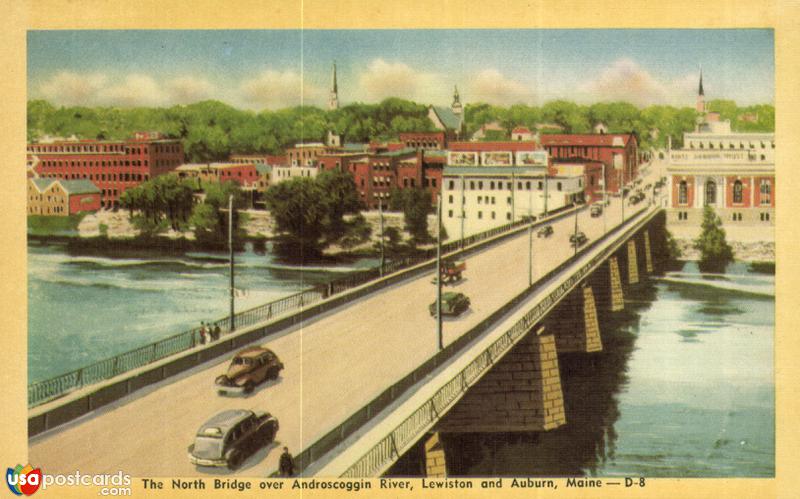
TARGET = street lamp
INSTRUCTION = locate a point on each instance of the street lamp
(230, 256)
(439, 270)
(383, 253)
(575, 242)
(605, 198)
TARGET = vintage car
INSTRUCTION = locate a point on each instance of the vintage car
(578, 239)
(249, 367)
(596, 210)
(231, 436)
(545, 231)
(451, 271)
(452, 304)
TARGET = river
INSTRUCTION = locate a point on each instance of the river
(82, 309)
(683, 388)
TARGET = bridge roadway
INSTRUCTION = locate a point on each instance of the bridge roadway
(335, 364)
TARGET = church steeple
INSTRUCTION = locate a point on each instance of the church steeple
(701, 100)
(456, 107)
(333, 100)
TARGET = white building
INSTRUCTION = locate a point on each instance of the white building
(283, 173)
(478, 198)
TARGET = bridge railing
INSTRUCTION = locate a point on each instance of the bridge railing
(43, 391)
(406, 433)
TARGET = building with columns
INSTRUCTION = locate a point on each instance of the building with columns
(732, 172)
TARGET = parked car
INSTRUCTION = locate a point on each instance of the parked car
(231, 436)
(596, 210)
(452, 304)
(545, 231)
(578, 239)
(248, 368)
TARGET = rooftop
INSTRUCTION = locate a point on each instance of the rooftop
(588, 139)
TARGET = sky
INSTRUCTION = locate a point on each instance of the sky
(272, 69)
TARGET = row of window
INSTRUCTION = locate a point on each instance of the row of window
(735, 217)
(765, 189)
(102, 177)
(89, 164)
(480, 215)
(731, 145)
(508, 185)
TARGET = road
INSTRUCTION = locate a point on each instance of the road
(335, 364)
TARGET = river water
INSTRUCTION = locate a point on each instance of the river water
(82, 309)
(683, 388)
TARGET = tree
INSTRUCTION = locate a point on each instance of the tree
(416, 207)
(309, 213)
(163, 198)
(210, 218)
(715, 252)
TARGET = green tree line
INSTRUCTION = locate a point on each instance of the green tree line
(212, 130)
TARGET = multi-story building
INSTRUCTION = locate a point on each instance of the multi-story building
(619, 152)
(244, 174)
(56, 197)
(732, 172)
(424, 140)
(113, 166)
(488, 186)
(306, 154)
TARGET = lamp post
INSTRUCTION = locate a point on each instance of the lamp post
(230, 256)
(439, 270)
(622, 196)
(383, 252)
(530, 235)
(575, 242)
(605, 199)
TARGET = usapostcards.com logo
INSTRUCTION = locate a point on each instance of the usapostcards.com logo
(23, 480)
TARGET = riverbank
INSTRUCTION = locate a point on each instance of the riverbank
(750, 244)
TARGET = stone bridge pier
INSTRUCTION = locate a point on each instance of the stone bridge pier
(522, 392)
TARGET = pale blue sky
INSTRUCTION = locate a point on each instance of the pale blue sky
(264, 69)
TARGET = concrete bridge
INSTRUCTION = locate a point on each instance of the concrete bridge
(364, 378)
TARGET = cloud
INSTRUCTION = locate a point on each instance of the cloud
(627, 81)
(275, 89)
(493, 87)
(134, 90)
(73, 89)
(186, 89)
(384, 79)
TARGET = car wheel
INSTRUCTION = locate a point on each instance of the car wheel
(273, 373)
(249, 387)
(234, 461)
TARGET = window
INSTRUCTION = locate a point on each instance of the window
(450, 213)
(450, 198)
(683, 192)
(452, 184)
(493, 217)
(711, 193)
(766, 191)
(508, 216)
(480, 185)
(433, 182)
(558, 186)
(765, 217)
(737, 191)
(471, 185)
(540, 185)
(508, 200)
(480, 215)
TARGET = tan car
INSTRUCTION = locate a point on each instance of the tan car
(249, 367)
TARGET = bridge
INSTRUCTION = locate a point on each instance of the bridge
(365, 379)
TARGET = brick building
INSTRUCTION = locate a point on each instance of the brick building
(113, 166)
(55, 197)
(424, 140)
(619, 152)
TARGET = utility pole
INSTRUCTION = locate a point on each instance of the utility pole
(545, 190)
(605, 199)
(463, 211)
(575, 205)
(230, 255)
(622, 196)
(439, 270)
(530, 235)
(383, 252)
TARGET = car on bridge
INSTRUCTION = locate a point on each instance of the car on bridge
(453, 304)
(248, 368)
(228, 438)
(578, 239)
(596, 210)
(545, 231)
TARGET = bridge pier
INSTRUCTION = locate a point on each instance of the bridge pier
(435, 461)
(633, 267)
(648, 255)
(575, 324)
(522, 392)
(617, 298)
